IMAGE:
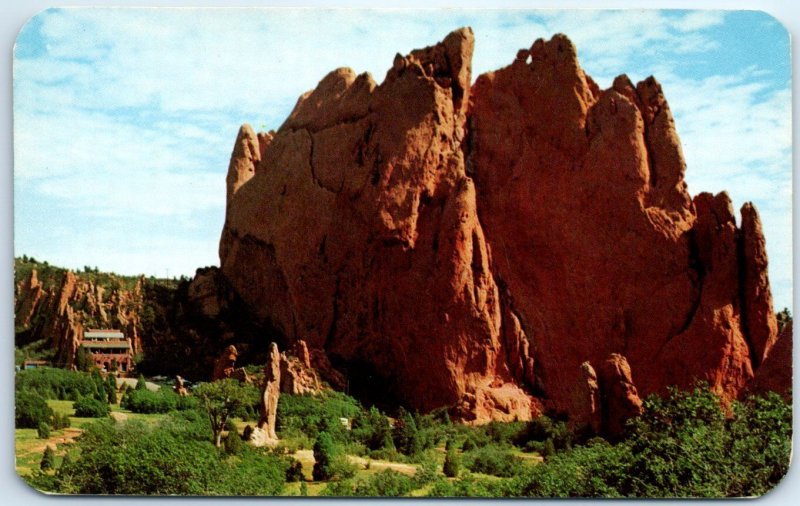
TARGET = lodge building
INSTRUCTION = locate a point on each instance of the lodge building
(109, 348)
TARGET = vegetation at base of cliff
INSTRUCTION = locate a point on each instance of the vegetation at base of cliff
(683, 445)
(136, 459)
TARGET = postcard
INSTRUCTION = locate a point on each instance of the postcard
(417, 253)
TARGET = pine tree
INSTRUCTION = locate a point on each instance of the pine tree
(324, 452)
(111, 389)
(141, 383)
(48, 459)
(452, 463)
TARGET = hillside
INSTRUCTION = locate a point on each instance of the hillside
(171, 327)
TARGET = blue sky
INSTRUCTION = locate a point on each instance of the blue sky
(124, 119)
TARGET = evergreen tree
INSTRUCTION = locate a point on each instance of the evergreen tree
(48, 459)
(405, 433)
(141, 383)
(43, 430)
(452, 463)
(83, 360)
(111, 389)
(324, 453)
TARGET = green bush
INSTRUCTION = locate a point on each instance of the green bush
(31, 409)
(136, 459)
(90, 407)
(493, 459)
(59, 421)
(311, 415)
(48, 459)
(233, 444)
(54, 383)
(43, 430)
(386, 483)
(427, 470)
(372, 429)
(160, 401)
(324, 452)
(452, 464)
(295, 471)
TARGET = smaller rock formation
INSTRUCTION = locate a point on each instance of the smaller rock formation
(179, 387)
(605, 399)
(297, 375)
(587, 413)
(775, 373)
(619, 397)
(225, 364)
(264, 434)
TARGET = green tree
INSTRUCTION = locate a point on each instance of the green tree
(90, 407)
(43, 430)
(111, 389)
(31, 409)
(405, 433)
(48, 459)
(452, 463)
(784, 318)
(83, 360)
(324, 453)
(220, 399)
(141, 383)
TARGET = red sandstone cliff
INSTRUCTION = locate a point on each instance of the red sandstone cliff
(474, 245)
(61, 313)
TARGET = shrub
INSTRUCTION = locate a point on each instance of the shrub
(141, 383)
(427, 470)
(43, 430)
(324, 453)
(295, 471)
(136, 459)
(54, 383)
(59, 421)
(494, 460)
(31, 409)
(90, 407)
(146, 401)
(386, 483)
(452, 464)
(311, 415)
(341, 468)
(372, 429)
(233, 444)
(48, 459)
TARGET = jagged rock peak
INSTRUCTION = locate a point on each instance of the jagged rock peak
(473, 246)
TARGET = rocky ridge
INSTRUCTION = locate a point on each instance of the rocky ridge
(475, 244)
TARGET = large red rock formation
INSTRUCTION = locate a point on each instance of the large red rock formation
(473, 245)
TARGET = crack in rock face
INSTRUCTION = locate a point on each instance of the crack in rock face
(357, 228)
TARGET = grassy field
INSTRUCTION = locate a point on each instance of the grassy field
(29, 448)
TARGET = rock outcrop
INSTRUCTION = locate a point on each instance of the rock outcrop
(298, 377)
(472, 245)
(179, 387)
(60, 310)
(264, 434)
(225, 364)
(775, 373)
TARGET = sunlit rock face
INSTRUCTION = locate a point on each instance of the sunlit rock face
(444, 243)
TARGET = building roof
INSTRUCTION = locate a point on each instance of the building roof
(107, 345)
(103, 334)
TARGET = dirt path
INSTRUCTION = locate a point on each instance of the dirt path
(380, 465)
(119, 417)
(55, 441)
(306, 457)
